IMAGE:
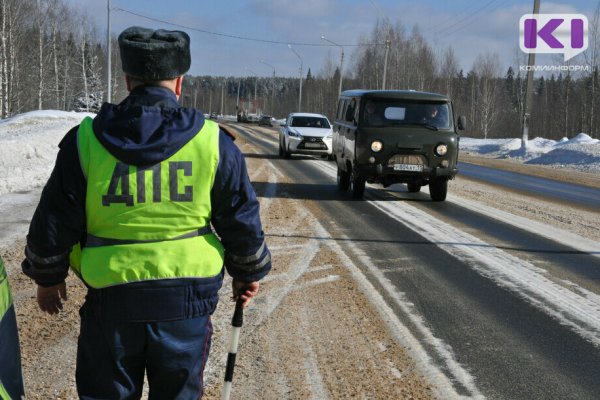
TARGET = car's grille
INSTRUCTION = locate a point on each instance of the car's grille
(312, 143)
(414, 159)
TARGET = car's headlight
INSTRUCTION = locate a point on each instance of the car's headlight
(329, 135)
(441, 150)
(294, 134)
(376, 146)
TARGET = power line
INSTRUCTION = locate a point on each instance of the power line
(316, 44)
(447, 33)
(462, 20)
(450, 21)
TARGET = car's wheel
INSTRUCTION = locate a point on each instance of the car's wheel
(280, 149)
(343, 179)
(413, 187)
(357, 185)
(286, 153)
(438, 189)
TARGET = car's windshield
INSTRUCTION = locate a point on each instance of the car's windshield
(310, 122)
(433, 115)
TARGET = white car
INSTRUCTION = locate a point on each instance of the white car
(306, 133)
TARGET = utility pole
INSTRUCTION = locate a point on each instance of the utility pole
(108, 68)
(388, 29)
(529, 88)
(385, 61)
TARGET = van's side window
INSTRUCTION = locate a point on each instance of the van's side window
(350, 111)
(343, 106)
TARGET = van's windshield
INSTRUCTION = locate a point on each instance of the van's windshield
(431, 115)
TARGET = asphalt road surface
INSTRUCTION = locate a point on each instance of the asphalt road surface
(568, 192)
(505, 312)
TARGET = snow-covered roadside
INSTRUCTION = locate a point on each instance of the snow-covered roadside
(28, 147)
(581, 152)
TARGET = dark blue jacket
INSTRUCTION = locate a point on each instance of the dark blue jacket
(146, 128)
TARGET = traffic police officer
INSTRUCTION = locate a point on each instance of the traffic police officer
(131, 205)
(11, 380)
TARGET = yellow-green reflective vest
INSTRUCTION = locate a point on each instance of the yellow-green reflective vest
(5, 302)
(148, 223)
(10, 354)
(5, 297)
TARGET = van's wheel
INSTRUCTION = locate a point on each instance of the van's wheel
(343, 179)
(438, 189)
(357, 185)
(413, 187)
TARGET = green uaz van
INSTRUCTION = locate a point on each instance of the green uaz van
(395, 136)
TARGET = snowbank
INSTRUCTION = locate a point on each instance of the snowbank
(28, 147)
(581, 152)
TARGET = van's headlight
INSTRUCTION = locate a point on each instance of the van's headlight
(441, 150)
(376, 146)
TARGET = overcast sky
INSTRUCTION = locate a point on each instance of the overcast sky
(233, 37)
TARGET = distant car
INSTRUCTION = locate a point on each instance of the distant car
(266, 120)
(214, 115)
(252, 118)
(305, 133)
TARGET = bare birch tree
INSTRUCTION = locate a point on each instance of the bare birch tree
(486, 67)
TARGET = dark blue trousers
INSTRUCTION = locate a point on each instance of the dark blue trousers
(113, 355)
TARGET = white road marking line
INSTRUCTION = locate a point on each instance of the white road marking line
(270, 190)
(284, 248)
(323, 267)
(320, 281)
(393, 369)
(313, 376)
(275, 277)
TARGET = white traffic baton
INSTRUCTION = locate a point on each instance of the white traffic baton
(236, 323)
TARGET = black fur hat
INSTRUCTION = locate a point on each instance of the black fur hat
(154, 55)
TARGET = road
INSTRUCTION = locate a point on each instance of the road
(566, 192)
(502, 310)
(393, 296)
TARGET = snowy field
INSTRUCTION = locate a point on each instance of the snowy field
(29, 143)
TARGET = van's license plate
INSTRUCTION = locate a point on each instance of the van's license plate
(408, 167)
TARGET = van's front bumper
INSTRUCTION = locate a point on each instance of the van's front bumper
(378, 171)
